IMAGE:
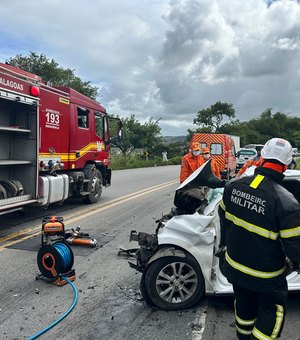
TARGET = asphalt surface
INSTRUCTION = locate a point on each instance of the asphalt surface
(109, 304)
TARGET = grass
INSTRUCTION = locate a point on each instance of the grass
(119, 162)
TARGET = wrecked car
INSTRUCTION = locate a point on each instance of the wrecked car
(180, 261)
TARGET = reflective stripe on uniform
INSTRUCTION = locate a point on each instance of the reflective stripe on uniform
(261, 336)
(287, 233)
(222, 205)
(243, 331)
(256, 273)
(245, 322)
(251, 227)
(256, 182)
(277, 327)
(279, 321)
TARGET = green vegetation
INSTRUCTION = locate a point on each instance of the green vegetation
(52, 73)
(257, 130)
(138, 136)
(119, 162)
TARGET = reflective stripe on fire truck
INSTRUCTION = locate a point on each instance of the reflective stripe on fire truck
(250, 271)
(251, 227)
(64, 100)
(64, 157)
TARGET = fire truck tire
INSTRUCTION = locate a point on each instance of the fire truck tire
(94, 186)
(174, 283)
(3, 193)
(10, 188)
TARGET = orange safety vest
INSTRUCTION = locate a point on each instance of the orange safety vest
(189, 164)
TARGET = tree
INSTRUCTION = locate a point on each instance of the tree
(52, 73)
(138, 136)
(265, 127)
(212, 117)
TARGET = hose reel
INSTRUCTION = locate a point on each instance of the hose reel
(55, 258)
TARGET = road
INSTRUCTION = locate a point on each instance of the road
(109, 303)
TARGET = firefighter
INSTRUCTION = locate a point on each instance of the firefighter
(191, 162)
(214, 166)
(261, 235)
(255, 161)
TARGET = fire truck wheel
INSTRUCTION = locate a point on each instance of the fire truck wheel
(174, 283)
(94, 186)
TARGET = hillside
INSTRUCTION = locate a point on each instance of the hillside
(174, 139)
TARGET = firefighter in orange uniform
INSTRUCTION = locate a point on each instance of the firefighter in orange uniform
(214, 166)
(191, 162)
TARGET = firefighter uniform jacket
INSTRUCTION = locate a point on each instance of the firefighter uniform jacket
(189, 164)
(215, 168)
(261, 223)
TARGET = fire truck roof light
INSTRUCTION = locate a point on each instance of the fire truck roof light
(34, 91)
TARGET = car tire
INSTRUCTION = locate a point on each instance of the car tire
(144, 291)
(174, 283)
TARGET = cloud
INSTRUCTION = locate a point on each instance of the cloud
(167, 58)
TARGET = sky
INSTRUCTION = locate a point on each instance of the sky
(167, 59)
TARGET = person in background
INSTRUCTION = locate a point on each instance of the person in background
(255, 161)
(214, 166)
(185, 152)
(164, 156)
(261, 241)
(191, 161)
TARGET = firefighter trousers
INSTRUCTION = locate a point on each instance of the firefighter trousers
(260, 315)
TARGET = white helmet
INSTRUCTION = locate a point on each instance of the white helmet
(279, 149)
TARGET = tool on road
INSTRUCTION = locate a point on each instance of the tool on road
(76, 237)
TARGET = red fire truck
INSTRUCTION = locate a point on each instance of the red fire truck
(55, 142)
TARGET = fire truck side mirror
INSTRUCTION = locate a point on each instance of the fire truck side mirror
(120, 131)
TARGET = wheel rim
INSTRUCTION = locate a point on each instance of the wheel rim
(96, 186)
(176, 282)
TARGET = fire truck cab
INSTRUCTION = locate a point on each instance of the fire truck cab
(55, 142)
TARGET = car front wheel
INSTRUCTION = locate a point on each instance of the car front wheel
(173, 283)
